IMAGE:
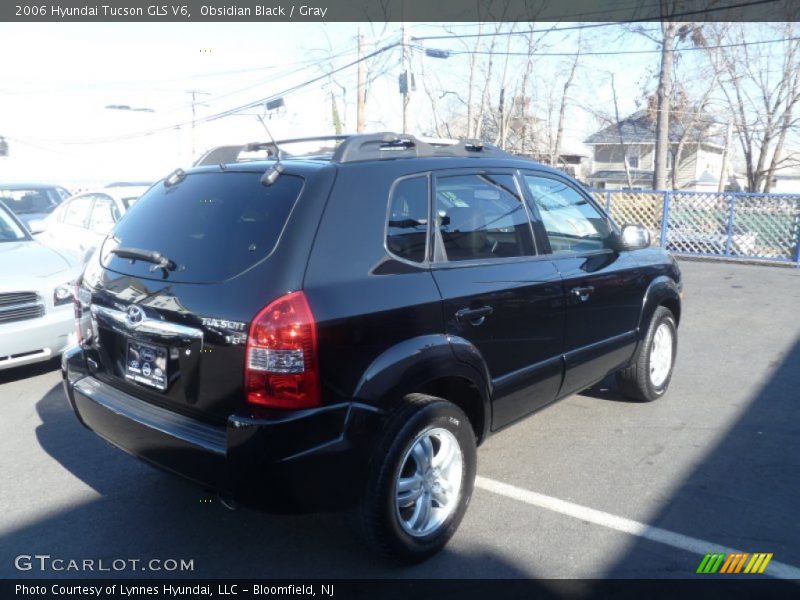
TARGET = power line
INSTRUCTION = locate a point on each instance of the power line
(508, 33)
(613, 52)
(567, 18)
(234, 110)
(595, 25)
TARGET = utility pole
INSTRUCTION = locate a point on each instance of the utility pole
(361, 92)
(726, 153)
(194, 94)
(406, 89)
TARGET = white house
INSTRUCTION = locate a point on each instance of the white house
(699, 166)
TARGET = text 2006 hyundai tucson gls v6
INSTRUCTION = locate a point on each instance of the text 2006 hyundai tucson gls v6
(341, 330)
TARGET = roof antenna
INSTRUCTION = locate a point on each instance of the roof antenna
(272, 174)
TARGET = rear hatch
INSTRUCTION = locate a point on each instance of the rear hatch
(171, 328)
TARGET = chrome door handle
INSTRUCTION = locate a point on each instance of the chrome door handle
(474, 316)
(582, 292)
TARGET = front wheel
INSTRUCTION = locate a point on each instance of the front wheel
(649, 374)
(421, 480)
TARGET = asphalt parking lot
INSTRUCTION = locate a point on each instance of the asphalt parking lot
(591, 487)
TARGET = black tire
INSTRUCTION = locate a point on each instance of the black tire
(377, 516)
(635, 380)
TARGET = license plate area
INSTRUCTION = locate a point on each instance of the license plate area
(146, 364)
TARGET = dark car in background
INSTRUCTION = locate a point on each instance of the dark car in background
(32, 201)
(341, 330)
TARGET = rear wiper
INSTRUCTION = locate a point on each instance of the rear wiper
(159, 261)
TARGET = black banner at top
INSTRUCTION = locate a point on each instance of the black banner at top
(396, 10)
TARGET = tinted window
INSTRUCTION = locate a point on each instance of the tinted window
(104, 215)
(481, 216)
(29, 200)
(77, 211)
(212, 225)
(572, 223)
(407, 229)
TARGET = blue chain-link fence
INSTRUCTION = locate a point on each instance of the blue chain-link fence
(732, 225)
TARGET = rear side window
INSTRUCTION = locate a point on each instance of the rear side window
(211, 225)
(407, 228)
(104, 215)
(481, 216)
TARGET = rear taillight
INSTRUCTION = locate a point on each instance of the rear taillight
(77, 300)
(281, 369)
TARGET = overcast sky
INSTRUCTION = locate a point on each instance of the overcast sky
(57, 78)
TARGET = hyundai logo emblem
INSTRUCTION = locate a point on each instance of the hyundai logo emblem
(134, 314)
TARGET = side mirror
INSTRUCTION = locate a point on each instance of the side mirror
(634, 237)
(36, 226)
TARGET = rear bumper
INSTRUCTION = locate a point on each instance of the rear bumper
(36, 340)
(290, 462)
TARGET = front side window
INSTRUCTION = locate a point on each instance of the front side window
(481, 216)
(572, 223)
(407, 227)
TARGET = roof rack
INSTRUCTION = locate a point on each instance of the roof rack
(377, 146)
(230, 154)
(359, 147)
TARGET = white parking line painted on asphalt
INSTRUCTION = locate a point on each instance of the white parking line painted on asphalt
(598, 517)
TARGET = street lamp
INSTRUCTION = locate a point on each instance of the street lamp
(126, 107)
(436, 53)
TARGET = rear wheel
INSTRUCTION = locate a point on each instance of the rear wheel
(649, 374)
(421, 480)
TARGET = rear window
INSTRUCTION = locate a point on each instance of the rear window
(211, 225)
(25, 201)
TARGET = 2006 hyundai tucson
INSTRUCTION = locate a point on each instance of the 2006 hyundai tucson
(343, 329)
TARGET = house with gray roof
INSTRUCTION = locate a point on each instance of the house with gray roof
(698, 168)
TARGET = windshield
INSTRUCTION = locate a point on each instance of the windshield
(9, 230)
(212, 225)
(30, 200)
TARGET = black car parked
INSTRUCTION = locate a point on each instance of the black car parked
(343, 329)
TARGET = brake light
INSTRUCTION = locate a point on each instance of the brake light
(281, 370)
(77, 300)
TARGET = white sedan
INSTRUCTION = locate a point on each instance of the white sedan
(81, 223)
(37, 318)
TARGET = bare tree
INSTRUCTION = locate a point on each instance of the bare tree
(621, 138)
(556, 151)
(667, 36)
(761, 83)
(371, 69)
(694, 121)
(664, 97)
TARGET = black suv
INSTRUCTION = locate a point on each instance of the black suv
(342, 329)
